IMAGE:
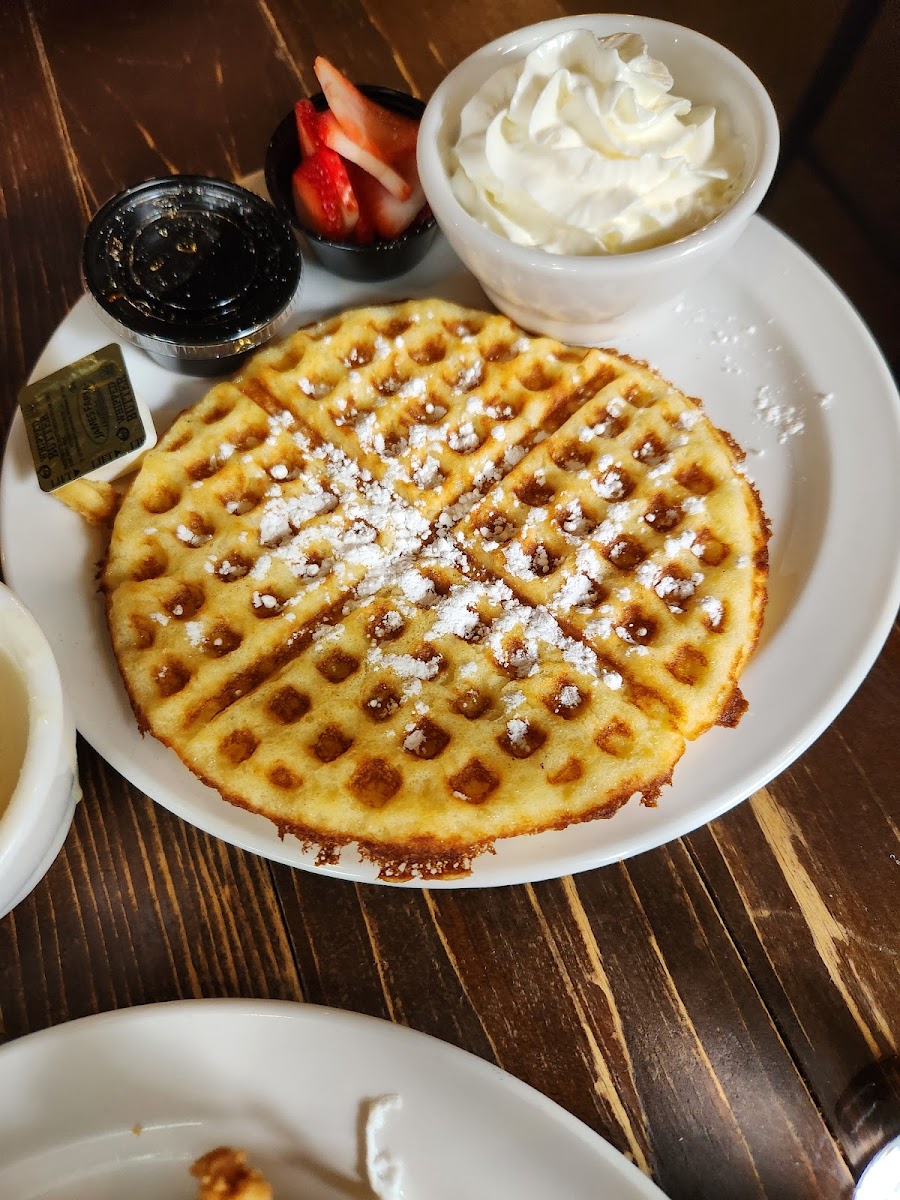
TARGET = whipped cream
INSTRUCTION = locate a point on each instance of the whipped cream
(581, 148)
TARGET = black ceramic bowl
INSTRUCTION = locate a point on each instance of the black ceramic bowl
(196, 271)
(380, 259)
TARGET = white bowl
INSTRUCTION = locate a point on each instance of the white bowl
(587, 299)
(36, 817)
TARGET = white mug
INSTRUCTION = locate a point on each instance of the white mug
(38, 772)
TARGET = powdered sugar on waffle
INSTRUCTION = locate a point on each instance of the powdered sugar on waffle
(364, 526)
(293, 530)
(364, 522)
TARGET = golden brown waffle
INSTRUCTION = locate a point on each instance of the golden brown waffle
(635, 530)
(223, 1174)
(418, 581)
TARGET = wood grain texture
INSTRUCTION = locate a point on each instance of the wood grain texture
(151, 90)
(848, 147)
(139, 907)
(802, 205)
(712, 1089)
(710, 1007)
(42, 208)
(626, 976)
(818, 930)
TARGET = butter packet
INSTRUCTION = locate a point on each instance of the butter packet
(85, 421)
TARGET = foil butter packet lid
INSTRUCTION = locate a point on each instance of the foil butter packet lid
(85, 421)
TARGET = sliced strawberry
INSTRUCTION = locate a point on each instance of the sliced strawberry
(323, 195)
(313, 206)
(334, 136)
(383, 135)
(359, 181)
(364, 233)
(389, 216)
(307, 126)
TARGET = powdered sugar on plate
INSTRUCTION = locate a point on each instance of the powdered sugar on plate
(773, 388)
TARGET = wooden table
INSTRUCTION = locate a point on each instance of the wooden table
(705, 1006)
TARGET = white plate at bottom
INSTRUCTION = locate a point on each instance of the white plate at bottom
(121, 1104)
(780, 360)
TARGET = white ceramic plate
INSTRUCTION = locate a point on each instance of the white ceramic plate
(769, 328)
(121, 1104)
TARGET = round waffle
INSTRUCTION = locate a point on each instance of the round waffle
(418, 581)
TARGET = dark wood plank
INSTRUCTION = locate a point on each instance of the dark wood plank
(384, 42)
(856, 138)
(386, 937)
(476, 968)
(806, 209)
(620, 995)
(144, 92)
(43, 207)
(726, 1111)
(139, 907)
(807, 876)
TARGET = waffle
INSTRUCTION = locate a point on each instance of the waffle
(417, 581)
(223, 1174)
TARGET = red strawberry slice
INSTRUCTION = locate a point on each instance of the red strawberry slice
(381, 135)
(307, 126)
(334, 136)
(364, 233)
(359, 181)
(336, 139)
(323, 196)
(389, 216)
